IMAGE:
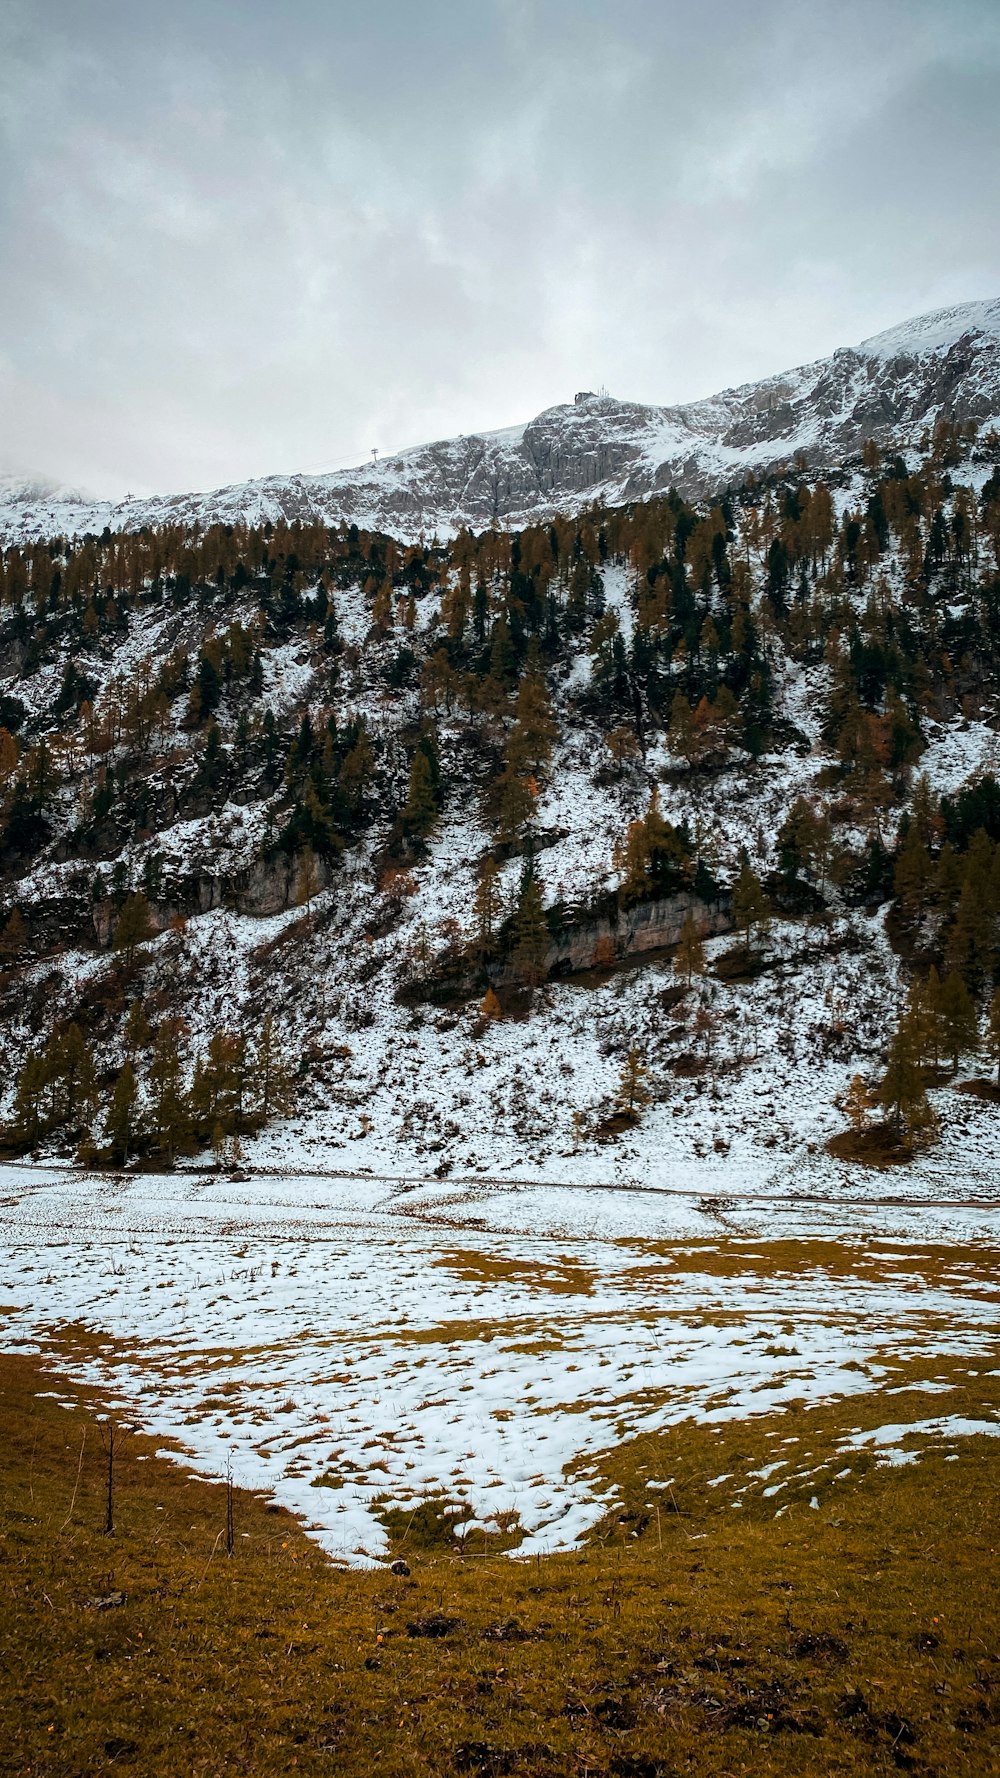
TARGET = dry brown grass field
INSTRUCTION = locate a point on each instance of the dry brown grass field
(686, 1637)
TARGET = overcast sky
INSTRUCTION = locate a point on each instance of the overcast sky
(247, 236)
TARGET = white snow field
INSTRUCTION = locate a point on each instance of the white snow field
(345, 1340)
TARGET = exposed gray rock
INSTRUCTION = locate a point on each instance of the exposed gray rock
(890, 388)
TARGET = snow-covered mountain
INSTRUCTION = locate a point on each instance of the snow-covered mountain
(893, 386)
(249, 737)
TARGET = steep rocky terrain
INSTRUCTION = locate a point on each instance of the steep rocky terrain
(598, 449)
(609, 848)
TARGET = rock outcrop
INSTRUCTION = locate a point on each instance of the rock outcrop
(891, 388)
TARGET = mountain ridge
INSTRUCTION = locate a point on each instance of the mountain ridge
(490, 827)
(894, 385)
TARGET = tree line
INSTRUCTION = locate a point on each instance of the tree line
(163, 1102)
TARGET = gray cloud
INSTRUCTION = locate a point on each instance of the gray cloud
(244, 237)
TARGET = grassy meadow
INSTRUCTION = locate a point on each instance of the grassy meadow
(695, 1632)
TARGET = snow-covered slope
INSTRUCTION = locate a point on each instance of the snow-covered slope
(935, 332)
(893, 386)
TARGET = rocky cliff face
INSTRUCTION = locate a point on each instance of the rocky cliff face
(893, 387)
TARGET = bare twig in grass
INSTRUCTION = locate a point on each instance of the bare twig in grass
(406, 1533)
(692, 1536)
(208, 1564)
(112, 1439)
(76, 1484)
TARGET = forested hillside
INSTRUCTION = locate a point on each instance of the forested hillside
(627, 840)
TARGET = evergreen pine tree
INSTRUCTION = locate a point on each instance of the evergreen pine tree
(922, 1017)
(170, 1112)
(272, 1081)
(516, 805)
(314, 820)
(502, 657)
(420, 811)
(529, 744)
(73, 1076)
(798, 838)
(530, 933)
(993, 1030)
(682, 735)
(219, 1085)
(133, 927)
(301, 751)
(972, 944)
(138, 1032)
(948, 877)
(119, 1125)
(902, 1093)
(488, 907)
(29, 1121)
(13, 939)
(959, 1023)
(356, 773)
(914, 873)
(751, 908)
(926, 816)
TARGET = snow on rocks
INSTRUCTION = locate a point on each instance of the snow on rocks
(601, 449)
(935, 332)
(957, 755)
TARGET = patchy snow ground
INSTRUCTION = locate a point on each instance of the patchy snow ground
(350, 1340)
(436, 1276)
(407, 1095)
(958, 755)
